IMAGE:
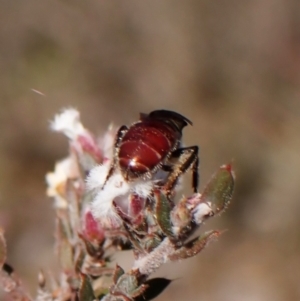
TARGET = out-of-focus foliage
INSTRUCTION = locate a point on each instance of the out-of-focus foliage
(232, 67)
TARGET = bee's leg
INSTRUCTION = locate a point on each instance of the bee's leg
(120, 134)
(185, 158)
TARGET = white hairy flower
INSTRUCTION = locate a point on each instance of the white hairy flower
(56, 180)
(68, 122)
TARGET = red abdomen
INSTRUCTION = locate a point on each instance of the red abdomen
(145, 146)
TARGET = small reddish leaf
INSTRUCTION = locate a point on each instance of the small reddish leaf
(90, 147)
(92, 229)
(194, 246)
(136, 205)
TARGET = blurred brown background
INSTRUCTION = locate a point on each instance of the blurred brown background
(232, 67)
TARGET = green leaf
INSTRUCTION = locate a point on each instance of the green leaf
(86, 292)
(66, 255)
(92, 250)
(163, 213)
(219, 189)
(102, 285)
(117, 273)
(151, 242)
(65, 248)
(63, 227)
(73, 208)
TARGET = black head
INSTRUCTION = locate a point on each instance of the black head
(174, 119)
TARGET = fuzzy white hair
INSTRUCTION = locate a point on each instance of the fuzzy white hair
(116, 188)
(202, 211)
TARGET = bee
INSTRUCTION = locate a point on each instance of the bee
(152, 144)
